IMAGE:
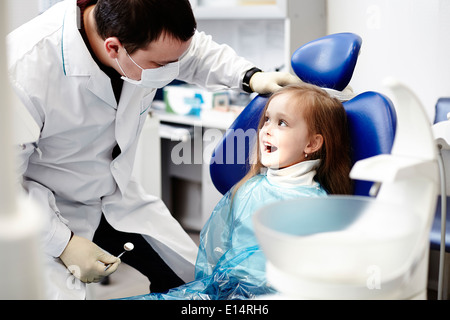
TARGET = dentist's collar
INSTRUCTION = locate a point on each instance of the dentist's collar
(298, 174)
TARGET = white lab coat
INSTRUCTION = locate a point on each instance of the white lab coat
(69, 172)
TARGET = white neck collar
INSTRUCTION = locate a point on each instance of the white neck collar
(298, 174)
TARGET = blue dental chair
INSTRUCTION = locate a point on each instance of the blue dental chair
(328, 62)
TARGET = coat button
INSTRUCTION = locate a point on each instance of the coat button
(116, 165)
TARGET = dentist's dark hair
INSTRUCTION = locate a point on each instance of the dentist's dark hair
(136, 23)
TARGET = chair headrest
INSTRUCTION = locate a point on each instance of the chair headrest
(372, 122)
(329, 61)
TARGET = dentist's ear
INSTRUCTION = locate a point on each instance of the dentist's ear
(315, 143)
(112, 46)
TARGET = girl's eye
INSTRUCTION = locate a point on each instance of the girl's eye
(266, 119)
(282, 123)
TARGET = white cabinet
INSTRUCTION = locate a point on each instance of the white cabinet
(187, 188)
(266, 34)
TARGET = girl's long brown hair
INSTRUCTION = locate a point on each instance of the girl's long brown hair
(324, 115)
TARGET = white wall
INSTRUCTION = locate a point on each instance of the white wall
(20, 11)
(407, 39)
(260, 41)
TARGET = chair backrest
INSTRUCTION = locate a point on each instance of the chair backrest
(327, 62)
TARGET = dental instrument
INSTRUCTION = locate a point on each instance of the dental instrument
(127, 247)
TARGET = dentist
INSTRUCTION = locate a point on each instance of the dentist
(87, 71)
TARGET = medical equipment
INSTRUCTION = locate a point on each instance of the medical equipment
(191, 100)
(127, 247)
(20, 265)
(438, 236)
(352, 247)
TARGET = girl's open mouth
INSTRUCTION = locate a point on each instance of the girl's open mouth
(269, 148)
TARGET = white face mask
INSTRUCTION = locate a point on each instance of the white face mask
(153, 78)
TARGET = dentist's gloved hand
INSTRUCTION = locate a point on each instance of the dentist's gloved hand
(82, 257)
(268, 82)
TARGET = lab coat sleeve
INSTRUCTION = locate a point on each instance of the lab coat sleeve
(56, 234)
(211, 65)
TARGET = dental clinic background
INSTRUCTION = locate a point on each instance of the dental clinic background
(406, 39)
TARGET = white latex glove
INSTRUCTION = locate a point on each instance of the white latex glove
(83, 258)
(268, 82)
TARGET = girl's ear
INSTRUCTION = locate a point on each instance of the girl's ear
(315, 143)
(112, 46)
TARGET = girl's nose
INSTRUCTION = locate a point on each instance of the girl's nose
(267, 129)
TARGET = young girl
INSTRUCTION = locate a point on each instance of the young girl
(303, 150)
